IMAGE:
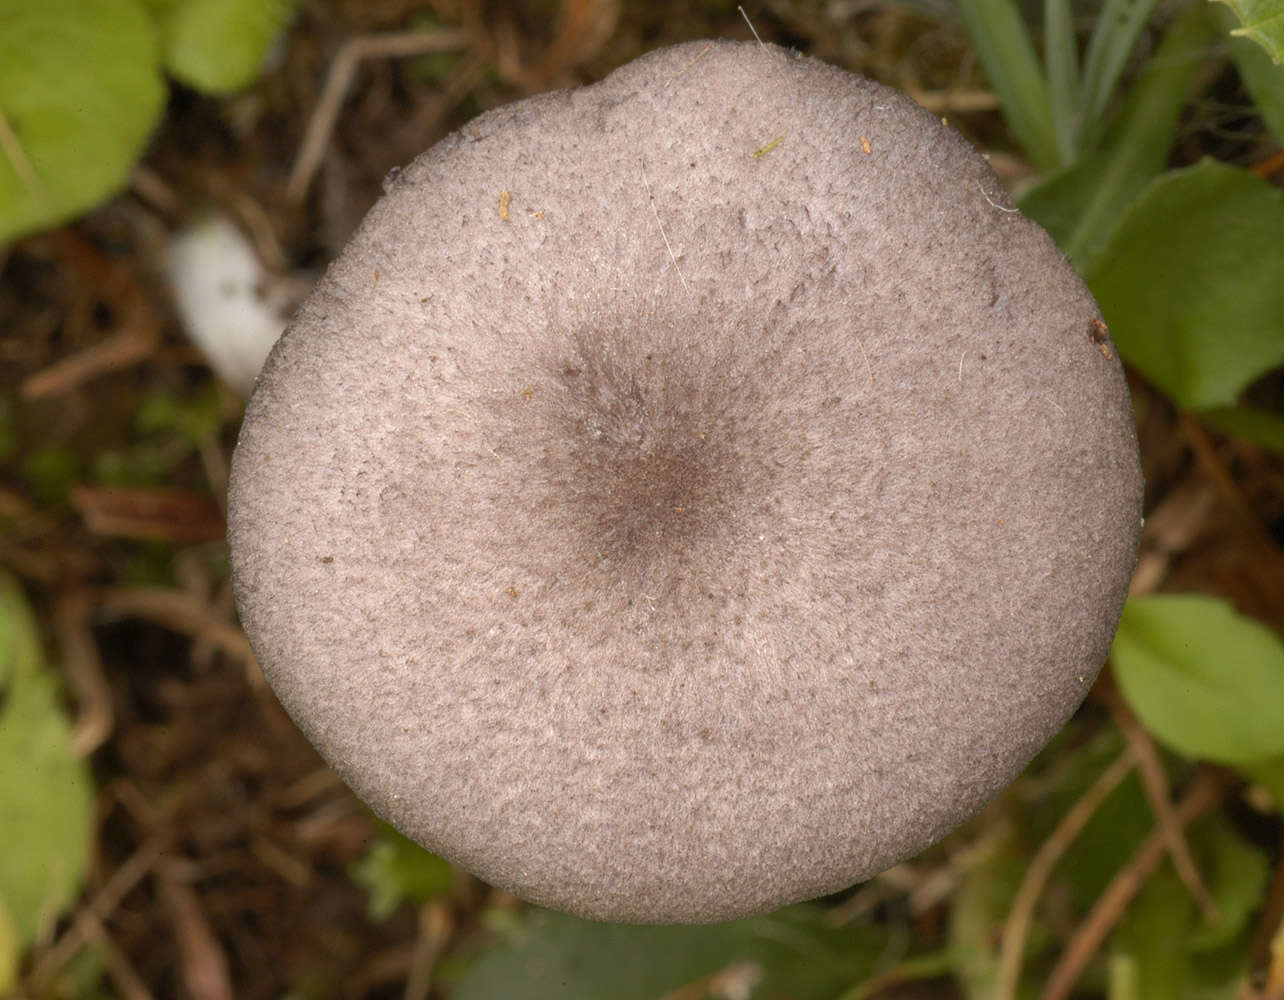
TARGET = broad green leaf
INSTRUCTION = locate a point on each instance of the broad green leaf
(1081, 205)
(1237, 874)
(394, 869)
(1152, 935)
(46, 802)
(1204, 679)
(792, 954)
(1263, 22)
(218, 46)
(1007, 55)
(1190, 283)
(80, 90)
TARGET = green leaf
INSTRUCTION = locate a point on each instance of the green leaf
(1061, 54)
(1190, 283)
(46, 802)
(1258, 426)
(1152, 937)
(1263, 22)
(1081, 205)
(1115, 831)
(1204, 679)
(1263, 78)
(218, 46)
(793, 954)
(394, 869)
(1237, 874)
(977, 911)
(1007, 55)
(10, 952)
(80, 90)
(1112, 41)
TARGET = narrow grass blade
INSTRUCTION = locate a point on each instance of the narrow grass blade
(1081, 205)
(1061, 55)
(1007, 55)
(1113, 38)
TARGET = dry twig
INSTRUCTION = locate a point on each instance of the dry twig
(325, 114)
(1155, 783)
(1203, 794)
(1017, 927)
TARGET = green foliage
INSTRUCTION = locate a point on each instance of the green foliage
(1269, 774)
(46, 803)
(50, 473)
(218, 46)
(795, 953)
(82, 87)
(1236, 872)
(1190, 283)
(1149, 943)
(980, 904)
(1082, 204)
(395, 870)
(1115, 831)
(1054, 107)
(1007, 54)
(80, 91)
(196, 417)
(1263, 78)
(1164, 950)
(1204, 679)
(1263, 22)
(1184, 264)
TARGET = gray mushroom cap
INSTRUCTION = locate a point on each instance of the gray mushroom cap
(688, 494)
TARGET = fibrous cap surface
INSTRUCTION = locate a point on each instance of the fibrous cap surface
(688, 494)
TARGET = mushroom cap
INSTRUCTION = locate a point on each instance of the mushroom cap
(688, 494)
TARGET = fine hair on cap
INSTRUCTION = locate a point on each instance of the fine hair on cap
(688, 494)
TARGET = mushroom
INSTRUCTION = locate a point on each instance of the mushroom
(688, 494)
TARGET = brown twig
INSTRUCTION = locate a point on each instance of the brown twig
(1270, 166)
(90, 916)
(436, 923)
(176, 610)
(1270, 925)
(1202, 795)
(122, 974)
(139, 329)
(1017, 926)
(158, 513)
(1155, 783)
(1212, 463)
(1170, 530)
(326, 113)
(95, 717)
(202, 959)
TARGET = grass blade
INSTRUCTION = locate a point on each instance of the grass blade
(1112, 41)
(1081, 206)
(1007, 55)
(1061, 55)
